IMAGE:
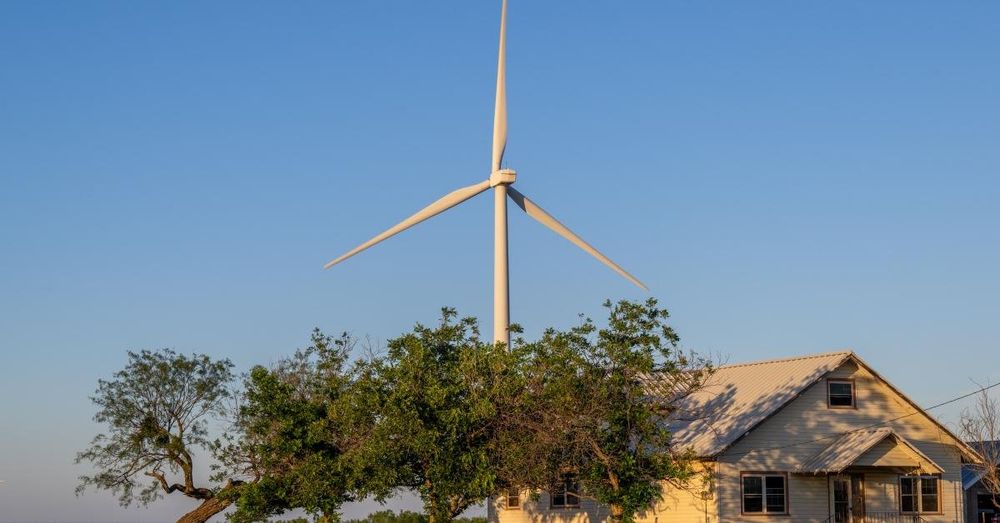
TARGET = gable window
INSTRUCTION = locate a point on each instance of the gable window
(840, 393)
(919, 494)
(764, 493)
(513, 499)
(567, 493)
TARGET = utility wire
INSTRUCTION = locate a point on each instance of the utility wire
(839, 434)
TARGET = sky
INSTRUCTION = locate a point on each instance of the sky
(787, 177)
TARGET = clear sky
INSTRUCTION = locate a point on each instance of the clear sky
(788, 177)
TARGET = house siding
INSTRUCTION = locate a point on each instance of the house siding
(678, 504)
(886, 453)
(798, 429)
(782, 444)
(537, 511)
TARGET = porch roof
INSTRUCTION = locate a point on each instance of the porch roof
(880, 447)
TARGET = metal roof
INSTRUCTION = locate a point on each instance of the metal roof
(850, 447)
(738, 397)
(972, 473)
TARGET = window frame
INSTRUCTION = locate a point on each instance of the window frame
(854, 393)
(569, 480)
(764, 475)
(507, 498)
(918, 493)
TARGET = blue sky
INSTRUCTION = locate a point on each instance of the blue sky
(788, 177)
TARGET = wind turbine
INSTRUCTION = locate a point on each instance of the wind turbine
(500, 181)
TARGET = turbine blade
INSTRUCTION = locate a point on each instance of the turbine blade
(500, 111)
(546, 219)
(446, 202)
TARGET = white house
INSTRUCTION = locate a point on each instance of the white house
(819, 438)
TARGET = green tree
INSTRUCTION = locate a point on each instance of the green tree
(589, 411)
(156, 412)
(438, 400)
(406, 516)
(293, 430)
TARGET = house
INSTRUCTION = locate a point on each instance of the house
(821, 438)
(980, 503)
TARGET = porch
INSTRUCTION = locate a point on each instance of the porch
(876, 476)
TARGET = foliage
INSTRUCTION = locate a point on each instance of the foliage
(438, 398)
(589, 411)
(292, 433)
(406, 516)
(441, 413)
(156, 411)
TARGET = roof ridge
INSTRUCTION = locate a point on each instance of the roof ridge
(792, 358)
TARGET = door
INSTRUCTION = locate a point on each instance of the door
(847, 498)
(858, 498)
(841, 494)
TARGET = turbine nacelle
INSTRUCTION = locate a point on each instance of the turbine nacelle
(503, 177)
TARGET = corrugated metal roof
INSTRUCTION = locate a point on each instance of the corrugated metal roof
(848, 448)
(972, 473)
(738, 397)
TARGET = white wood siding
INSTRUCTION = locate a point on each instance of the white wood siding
(798, 428)
(783, 443)
(539, 511)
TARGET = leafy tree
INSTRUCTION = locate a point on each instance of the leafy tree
(406, 516)
(588, 409)
(156, 412)
(292, 431)
(438, 400)
(388, 516)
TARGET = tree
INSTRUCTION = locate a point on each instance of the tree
(589, 412)
(437, 401)
(156, 411)
(293, 430)
(406, 516)
(980, 427)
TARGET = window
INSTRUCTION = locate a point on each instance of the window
(764, 494)
(567, 494)
(919, 494)
(840, 393)
(513, 499)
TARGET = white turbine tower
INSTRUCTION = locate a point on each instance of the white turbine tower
(500, 181)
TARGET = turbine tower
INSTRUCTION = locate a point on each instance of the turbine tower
(500, 181)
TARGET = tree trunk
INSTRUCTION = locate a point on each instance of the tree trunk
(206, 510)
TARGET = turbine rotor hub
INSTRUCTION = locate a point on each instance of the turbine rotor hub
(502, 177)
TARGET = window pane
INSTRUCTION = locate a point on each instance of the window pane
(929, 494)
(774, 489)
(753, 494)
(753, 503)
(572, 491)
(841, 388)
(775, 483)
(513, 498)
(841, 394)
(907, 503)
(906, 485)
(928, 485)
